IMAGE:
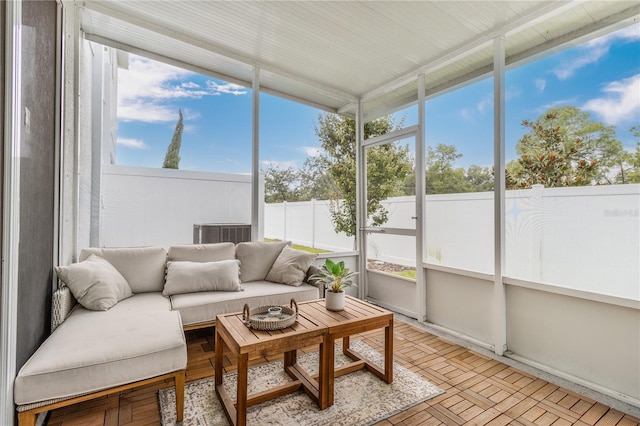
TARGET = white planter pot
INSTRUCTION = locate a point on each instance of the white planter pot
(334, 301)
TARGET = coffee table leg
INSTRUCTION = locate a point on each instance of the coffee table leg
(331, 368)
(290, 358)
(345, 344)
(241, 401)
(219, 352)
(388, 352)
(324, 369)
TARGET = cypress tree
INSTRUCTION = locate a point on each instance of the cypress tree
(172, 158)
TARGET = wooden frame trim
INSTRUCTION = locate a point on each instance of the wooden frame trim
(28, 417)
(199, 326)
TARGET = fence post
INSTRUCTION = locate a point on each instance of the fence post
(284, 218)
(313, 223)
(538, 234)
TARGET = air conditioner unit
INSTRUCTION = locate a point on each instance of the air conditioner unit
(221, 233)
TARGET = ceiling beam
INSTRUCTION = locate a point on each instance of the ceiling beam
(165, 59)
(545, 11)
(264, 88)
(592, 30)
(112, 10)
(610, 23)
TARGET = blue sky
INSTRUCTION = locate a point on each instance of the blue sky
(601, 77)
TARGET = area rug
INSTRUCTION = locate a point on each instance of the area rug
(360, 397)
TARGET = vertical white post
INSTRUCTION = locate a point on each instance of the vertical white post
(13, 114)
(536, 240)
(361, 203)
(75, 134)
(313, 223)
(97, 126)
(57, 246)
(255, 155)
(499, 299)
(68, 155)
(421, 282)
(284, 221)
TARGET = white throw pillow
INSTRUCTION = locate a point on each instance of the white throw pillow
(203, 252)
(142, 267)
(95, 283)
(291, 266)
(192, 277)
(257, 257)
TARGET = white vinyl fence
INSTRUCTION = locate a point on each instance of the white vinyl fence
(307, 223)
(586, 238)
(145, 206)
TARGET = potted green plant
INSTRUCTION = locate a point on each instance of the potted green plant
(335, 277)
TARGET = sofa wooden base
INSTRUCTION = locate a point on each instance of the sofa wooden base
(199, 326)
(28, 417)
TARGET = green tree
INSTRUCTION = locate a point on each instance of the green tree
(565, 148)
(280, 184)
(315, 180)
(172, 157)
(480, 179)
(441, 175)
(387, 167)
(634, 173)
(629, 165)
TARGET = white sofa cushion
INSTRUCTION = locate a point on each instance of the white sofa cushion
(95, 283)
(197, 308)
(137, 339)
(203, 252)
(192, 277)
(257, 257)
(291, 266)
(142, 267)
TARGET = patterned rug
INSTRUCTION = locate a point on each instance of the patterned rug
(360, 397)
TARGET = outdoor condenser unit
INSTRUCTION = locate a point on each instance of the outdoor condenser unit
(221, 233)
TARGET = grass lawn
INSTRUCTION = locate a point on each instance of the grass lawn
(302, 248)
(411, 274)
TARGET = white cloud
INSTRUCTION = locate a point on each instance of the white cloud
(593, 50)
(620, 102)
(465, 114)
(227, 88)
(190, 128)
(149, 79)
(147, 87)
(190, 114)
(140, 110)
(132, 143)
(190, 85)
(571, 65)
(627, 34)
(510, 93)
(540, 84)
(311, 151)
(485, 103)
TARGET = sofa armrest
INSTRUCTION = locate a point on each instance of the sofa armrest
(62, 302)
(317, 284)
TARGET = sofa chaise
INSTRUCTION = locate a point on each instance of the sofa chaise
(133, 306)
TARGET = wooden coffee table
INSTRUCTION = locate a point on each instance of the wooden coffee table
(357, 317)
(241, 341)
(315, 326)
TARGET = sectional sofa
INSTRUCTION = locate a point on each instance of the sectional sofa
(134, 304)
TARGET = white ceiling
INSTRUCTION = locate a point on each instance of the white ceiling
(330, 54)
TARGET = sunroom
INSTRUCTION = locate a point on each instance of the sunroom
(545, 275)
